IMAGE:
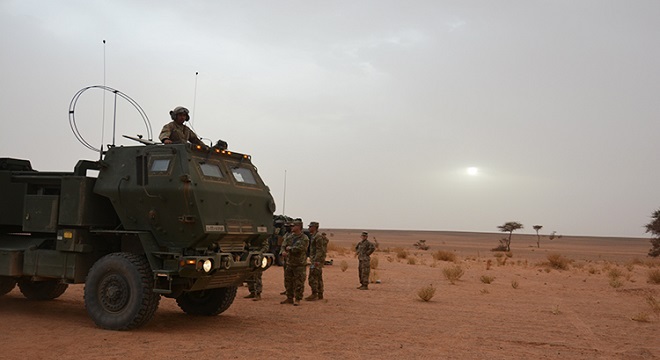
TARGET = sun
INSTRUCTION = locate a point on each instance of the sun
(472, 171)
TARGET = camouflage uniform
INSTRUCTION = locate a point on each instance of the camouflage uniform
(294, 272)
(179, 134)
(254, 282)
(318, 246)
(364, 249)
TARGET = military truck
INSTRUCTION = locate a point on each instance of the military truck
(182, 221)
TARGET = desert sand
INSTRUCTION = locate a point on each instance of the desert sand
(569, 314)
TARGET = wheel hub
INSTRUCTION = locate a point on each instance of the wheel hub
(114, 293)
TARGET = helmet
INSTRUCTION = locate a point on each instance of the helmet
(179, 110)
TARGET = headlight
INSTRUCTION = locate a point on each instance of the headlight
(264, 262)
(208, 265)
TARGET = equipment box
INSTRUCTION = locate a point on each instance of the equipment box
(40, 213)
(80, 206)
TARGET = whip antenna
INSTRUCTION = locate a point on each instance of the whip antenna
(103, 108)
(192, 123)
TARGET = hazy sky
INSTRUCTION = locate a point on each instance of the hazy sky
(375, 109)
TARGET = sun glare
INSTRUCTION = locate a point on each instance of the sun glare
(472, 171)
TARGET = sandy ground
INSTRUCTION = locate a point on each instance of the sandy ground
(552, 314)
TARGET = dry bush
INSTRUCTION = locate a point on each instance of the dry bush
(374, 262)
(636, 261)
(614, 274)
(616, 283)
(630, 267)
(641, 317)
(412, 261)
(508, 254)
(654, 276)
(442, 255)
(390, 259)
(453, 273)
(498, 255)
(401, 253)
(655, 304)
(338, 249)
(489, 263)
(593, 270)
(555, 310)
(486, 279)
(373, 276)
(421, 245)
(426, 293)
(504, 261)
(558, 261)
(514, 284)
(434, 264)
(343, 265)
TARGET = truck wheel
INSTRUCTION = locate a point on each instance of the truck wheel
(42, 290)
(207, 302)
(6, 285)
(119, 292)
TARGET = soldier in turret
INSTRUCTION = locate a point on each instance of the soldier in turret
(318, 245)
(364, 249)
(176, 132)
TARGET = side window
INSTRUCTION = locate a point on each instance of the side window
(243, 175)
(211, 170)
(159, 165)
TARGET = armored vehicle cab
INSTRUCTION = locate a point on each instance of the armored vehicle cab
(180, 220)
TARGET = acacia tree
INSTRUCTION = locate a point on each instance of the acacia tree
(509, 227)
(654, 228)
(538, 238)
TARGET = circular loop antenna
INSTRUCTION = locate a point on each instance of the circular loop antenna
(72, 115)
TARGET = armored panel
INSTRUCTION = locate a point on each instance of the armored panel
(80, 206)
(11, 262)
(56, 264)
(40, 213)
(11, 211)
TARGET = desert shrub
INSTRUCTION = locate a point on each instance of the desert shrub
(343, 265)
(401, 253)
(442, 255)
(453, 273)
(614, 273)
(592, 270)
(412, 261)
(508, 254)
(489, 263)
(390, 259)
(555, 310)
(336, 248)
(655, 304)
(426, 293)
(558, 261)
(434, 264)
(630, 266)
(486, 279)
(514, 284)
(641, 317)
(616, 283)
(374, 262)
(373, 276)
(421, 245)
(498, 255)
(654, 276)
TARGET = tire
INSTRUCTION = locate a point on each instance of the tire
(42, 290)
(119, 292)
(7, 284)
(207, 302)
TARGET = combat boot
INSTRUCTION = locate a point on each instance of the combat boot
(283, 292)
(250, 296)
(296, 302)
(363, 287)
(320, 296)
(257, 297)
(312, 297)
(287, 301)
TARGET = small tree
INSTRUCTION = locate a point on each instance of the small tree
(654, 228)
(509, 227)
(538, 238)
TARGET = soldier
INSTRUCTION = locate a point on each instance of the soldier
(295, 251)
(318, 245)
(254, 282)
(176, 132)
(364, 249)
